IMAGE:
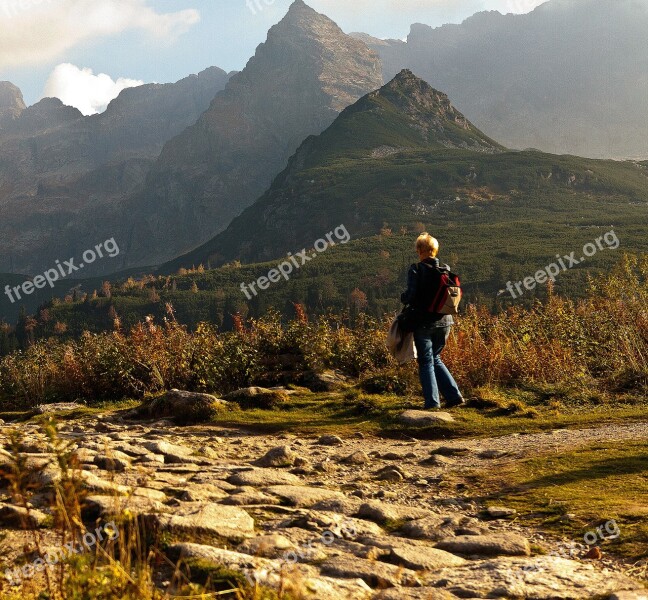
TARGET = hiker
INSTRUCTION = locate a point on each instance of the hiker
(431, 330)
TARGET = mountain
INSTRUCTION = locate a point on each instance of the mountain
(295, 85)
(568, 77)
(406, 116)
(59, 169)
(400, 160)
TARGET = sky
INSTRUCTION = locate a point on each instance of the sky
(86, 51)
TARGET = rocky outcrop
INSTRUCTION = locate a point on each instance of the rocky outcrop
(11, 103)
(295, 85)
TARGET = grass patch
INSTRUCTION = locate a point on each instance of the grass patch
(503, 412)
(596, 483)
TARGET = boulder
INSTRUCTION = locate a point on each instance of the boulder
(373, 573)
(183, 407)
(257, 397)
(422, 558)
(382, 512)
(281, 456)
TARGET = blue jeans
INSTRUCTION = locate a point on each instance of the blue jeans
(434, 375)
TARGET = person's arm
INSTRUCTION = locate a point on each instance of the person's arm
(408, 296)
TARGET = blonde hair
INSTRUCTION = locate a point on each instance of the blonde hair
(429, 245)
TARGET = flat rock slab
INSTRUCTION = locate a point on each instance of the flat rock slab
(263, 478)
(424, 418)
(382, 512)
(108, 507)
(301, 580)
(373, 573)
(420, 558)
(434, 528)
(551, 578)
(172, 453)
(58, 407)
(421, 593)
(229, 522)
(496, 544)
(302, 496)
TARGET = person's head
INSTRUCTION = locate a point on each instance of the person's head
(427, 246)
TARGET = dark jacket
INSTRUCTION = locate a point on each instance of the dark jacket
(420, 289)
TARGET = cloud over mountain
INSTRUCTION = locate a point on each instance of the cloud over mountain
(83, 89)
(38, 31)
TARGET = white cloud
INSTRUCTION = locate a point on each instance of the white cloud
(39, 31)
(82, 89)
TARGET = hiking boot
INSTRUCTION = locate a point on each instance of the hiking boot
(455, 403)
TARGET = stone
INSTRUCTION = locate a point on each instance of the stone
(496, 544)
(297, 580)
(108, 507)
(326, 381)
(437, 460)
(302, 496)
(421, 558)
(344, 506)
(382, 512)
(257, 397)
(173, 453)
(114, 461)
(267, 546)
(392, 475)
(93, 483)
(250, 498)
(21, 518)
(374, 574)
(58, 407)
(359, 457)
(184, 407)
(630, 595)
(330, 440)
(201, 492)
(499, 512)
(434, 528)
(281, 456)
(550, 578)
(420, 593)
(263, 477)
(423, 418)
(230, 522)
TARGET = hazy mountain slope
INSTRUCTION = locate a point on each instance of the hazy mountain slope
(299, 80)
(60, 170)
(403, 155)
(568, 77)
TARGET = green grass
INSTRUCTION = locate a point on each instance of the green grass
(596, 483)
(344, 413)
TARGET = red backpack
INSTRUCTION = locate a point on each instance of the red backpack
(448, 297)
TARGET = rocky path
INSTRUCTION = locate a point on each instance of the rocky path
(359, 517)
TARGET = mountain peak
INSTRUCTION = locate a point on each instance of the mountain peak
(11, 101)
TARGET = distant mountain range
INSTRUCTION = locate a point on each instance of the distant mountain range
(64, 177)
(569, 77)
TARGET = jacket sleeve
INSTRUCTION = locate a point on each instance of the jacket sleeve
(408, 296)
